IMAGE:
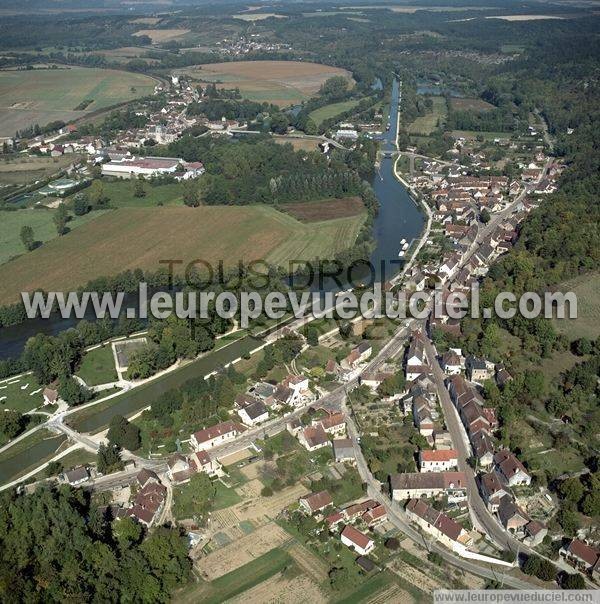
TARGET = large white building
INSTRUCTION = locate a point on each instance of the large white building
(216, 435)
(130, 166)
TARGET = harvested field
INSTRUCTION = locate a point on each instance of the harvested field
(392, 594)
(147, 20)
(27, 169)
(328, 209)
(242, 551)
(525, 17)
(279, 82)
(299, 143)
(313, 566)
(413, 575)
(129, 238)
(43, 95)
(298, 590)
(258, 16)
(162, 35)
(470, 104)
(236, 457)
(261, 508)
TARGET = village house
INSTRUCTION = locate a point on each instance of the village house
(343, 450)
(356, 540)
(76, 476)
(357, 355)
(313, 438)
(148, 503)
(452, 362)
(510, 470)
(50, 395)
(299, 387)
(442, 527)
(534, 533)
(428, 484)
(583, 557)
(492, 490)
(181, 468)
(216, 435)
(512, 517)
(333, 424)
(252, 411)
(438, 461)
(315, 502)
(483, 447)
(478, 370)
(376, 515)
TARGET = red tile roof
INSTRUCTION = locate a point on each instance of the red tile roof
(356, 536)
(318, 501)
(443, 455)
(227, 427)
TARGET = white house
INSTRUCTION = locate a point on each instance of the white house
(357, 541)
(438, 461)
(254, 413)
(509, 469)
(216, 435)
(428, 484)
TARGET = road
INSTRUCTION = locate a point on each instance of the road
(398, 517)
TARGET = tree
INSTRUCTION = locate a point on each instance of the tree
(96, 195)
(81, 204)
(485, 216)
(109, 459)
(312, 335)
(27, 237)
(138, 188)
(60, 218)
(590, 505)
(575, 581)
(202, 492)
(531, 566)
(571, 489)
(191, 193)
(53, 469)
(338, 578)
(124, 434)
(72, 392)
(12, 423)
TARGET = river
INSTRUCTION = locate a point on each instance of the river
(398, 218)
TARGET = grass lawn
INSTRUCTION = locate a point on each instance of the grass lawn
(98, 366)
(328, 111)
(120, 194)
(556, 462)
(44, 95)
(237, 581)
(225, 497)
(587, 324)
(130, 238)
(20, 394)
(40, 220)
(426, 124)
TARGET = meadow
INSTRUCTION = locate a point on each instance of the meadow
(26, 169)
(43, 95)
(328, 111)
(587, 323)
(279, 82)
(98, 366)
(426, 124)
(129, 238)
(40, 220)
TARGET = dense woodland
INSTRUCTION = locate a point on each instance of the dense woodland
(58, 546)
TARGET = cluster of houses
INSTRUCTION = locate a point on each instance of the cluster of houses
(439, 525)
(366, 514)
(320, 432)
(181, 467)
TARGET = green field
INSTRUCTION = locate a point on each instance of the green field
(130, 238)
(98, 366)
(120, 194)
(323, 113)
(40, 220)
(587, 324)
(19, 394)
(40, 96)
(426, 124)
